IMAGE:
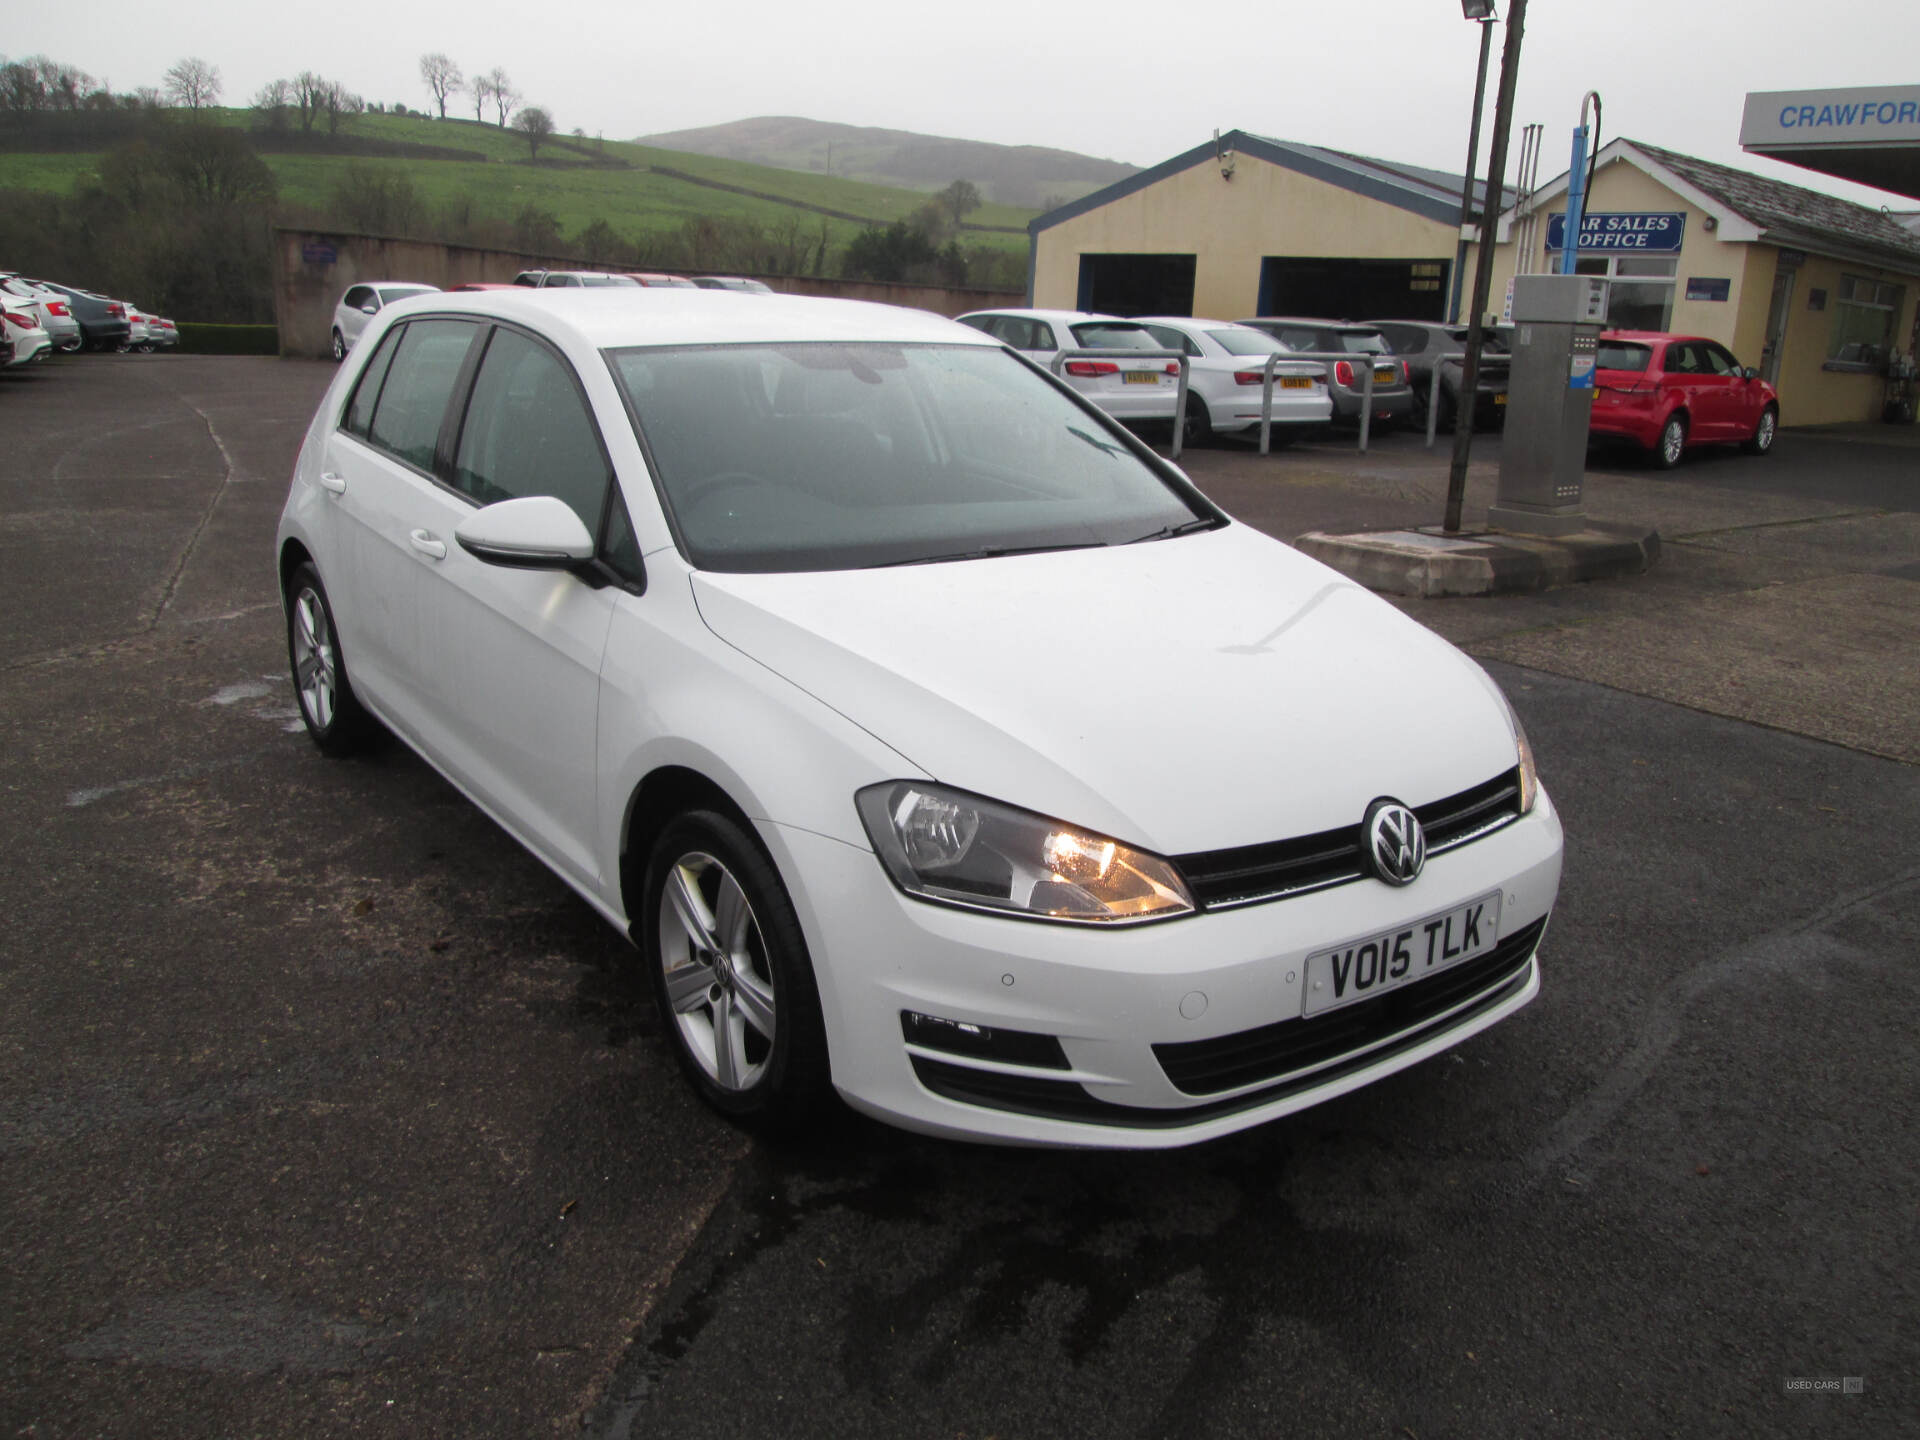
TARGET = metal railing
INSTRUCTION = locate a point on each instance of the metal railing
(1331, 358)
(1059, 363)
(1278, 358)
(1433, 394)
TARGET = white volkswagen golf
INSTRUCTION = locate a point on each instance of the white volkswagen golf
(936, 743)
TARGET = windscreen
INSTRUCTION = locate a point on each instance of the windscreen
(834, 457)
(1621, 355)
(602, 282)
(1362, 342)
(391, 293)
(1241, 340)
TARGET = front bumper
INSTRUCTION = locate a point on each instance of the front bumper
(1115, 1007)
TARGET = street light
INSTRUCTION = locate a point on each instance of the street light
(1482, 11)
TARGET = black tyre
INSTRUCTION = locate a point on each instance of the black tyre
(730, 971)
(1672, 443)
(1198, 430)
(1764, 431)
(339, 347)
(335, 718)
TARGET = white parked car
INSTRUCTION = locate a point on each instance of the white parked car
(1145, 389)
(30, 339)
(49, 307)
(1226, 380)
(361, 303)
(934, 741)
(142, 330)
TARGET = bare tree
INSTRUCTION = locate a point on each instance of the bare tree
(271, 102)
(339, 105)
(193, 83)
(501, 92)
(309, 98)
(536, 124)
(443, 78)
(482, 91)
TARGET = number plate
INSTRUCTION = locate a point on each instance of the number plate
(1295, 382)
(1385, 375)
(1500, 399)
(1142, 377)
(1361, 969)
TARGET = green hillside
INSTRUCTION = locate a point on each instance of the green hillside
(636, 189)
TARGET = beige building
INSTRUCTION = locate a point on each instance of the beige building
(1818, 292)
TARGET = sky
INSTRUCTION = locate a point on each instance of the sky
(1132, 80)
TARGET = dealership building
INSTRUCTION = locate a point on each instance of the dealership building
(1820, 293)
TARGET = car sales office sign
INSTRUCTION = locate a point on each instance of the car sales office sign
(1652, 232)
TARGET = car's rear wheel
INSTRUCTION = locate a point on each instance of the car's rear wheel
(335, 719)
(1672, 443)
(339, 347)
(729, 968)
(1763, 433)
(1198, 430)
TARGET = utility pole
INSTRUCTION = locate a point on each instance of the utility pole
(1483, 265)
(1473, 159)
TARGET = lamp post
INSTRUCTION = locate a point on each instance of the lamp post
(1490, 208)
(1481, 11)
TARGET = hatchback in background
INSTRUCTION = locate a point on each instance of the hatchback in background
(934, 740)
(733, 282)
(574, 280)
(51, 308)
(1392, 392)
(103, 322)
(1144, 389)
(1420, 344)
(1226, 380)
(361, 303)
(1667, 394)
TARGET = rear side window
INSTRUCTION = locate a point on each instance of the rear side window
(1619, 355)
(367, 391)
(420, 379)
(528, 432)
(358, 296)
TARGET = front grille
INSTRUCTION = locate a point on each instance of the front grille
(1209, 1067)
(1249, 874)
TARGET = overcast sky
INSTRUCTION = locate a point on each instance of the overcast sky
(1133, 80)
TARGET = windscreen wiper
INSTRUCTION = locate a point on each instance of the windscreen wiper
(1106, 445)
(1168, 532)
(987, 552)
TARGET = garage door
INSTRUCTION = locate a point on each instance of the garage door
(1342, 289)
(1136, 284)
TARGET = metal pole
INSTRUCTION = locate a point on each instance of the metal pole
(1483, 261)
(1576, 203)
(1473, 158)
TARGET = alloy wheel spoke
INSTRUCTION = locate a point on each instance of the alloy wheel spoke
(732, 917)
(727, 1046)
(690, 909)
(688, 984)
(755, 1001)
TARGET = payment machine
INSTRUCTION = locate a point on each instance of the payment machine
(1543, 456)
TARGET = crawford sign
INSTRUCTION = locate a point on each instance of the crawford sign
(1864, 115)
(1641, 231)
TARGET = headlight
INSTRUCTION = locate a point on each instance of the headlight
(958, 849)
(1529, 778)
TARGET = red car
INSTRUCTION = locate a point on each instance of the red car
(1667, 393)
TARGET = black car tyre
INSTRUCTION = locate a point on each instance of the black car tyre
(339, 347)
(1198, 431)
(335, 719)
(1672, 443)
(1764, 430)
(730, 971)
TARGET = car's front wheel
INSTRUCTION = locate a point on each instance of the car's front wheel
(729, 968)
(339, 346)
(1672, 443)
(1198, 430)
(335, 719)
(1763, 433)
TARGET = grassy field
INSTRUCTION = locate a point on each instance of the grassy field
(632, 198)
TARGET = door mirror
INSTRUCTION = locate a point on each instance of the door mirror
(535, 532)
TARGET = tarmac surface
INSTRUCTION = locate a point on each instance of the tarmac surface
(326, 1110)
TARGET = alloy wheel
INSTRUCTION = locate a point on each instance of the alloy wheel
(718, 976)
(1673, 439)
(315, 668)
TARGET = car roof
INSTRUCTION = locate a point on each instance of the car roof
(1321, 321)
(1648, 337)
(1198, 322)
(601, 319)
(1065, 317)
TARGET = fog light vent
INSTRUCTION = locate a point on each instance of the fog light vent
(982, 1042)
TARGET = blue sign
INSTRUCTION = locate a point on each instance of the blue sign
(1658, 231)
(319, 252)
(1704, 287)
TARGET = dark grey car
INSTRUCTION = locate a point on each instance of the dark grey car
(1392, 395)
(103, 322)
(1421, 343)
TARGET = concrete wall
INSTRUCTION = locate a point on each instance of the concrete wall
(1230, 226)
(312, 269)
(1809, 394)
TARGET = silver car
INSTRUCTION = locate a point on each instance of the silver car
(49, 307)
(361, 303)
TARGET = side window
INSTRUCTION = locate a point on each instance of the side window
(1041, 338)
(413, 401)
(358, 296)
(528, 432)
(1719, 362)
(366, 390)
(983, 323)
(553, 280)
(1682, 360)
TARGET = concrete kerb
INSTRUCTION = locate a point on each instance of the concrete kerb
(1426, 562)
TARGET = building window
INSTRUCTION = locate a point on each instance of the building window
(1639, 289)
(1864, 312)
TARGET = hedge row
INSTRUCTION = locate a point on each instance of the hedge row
(197, 339)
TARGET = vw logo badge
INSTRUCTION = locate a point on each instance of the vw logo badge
(1396, 843)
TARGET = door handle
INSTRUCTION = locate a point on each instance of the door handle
(428, 546)
(330, 481)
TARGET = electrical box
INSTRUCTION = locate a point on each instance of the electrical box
(1557, 321)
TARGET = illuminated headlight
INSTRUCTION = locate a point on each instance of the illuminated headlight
(1529, 777)
(958, 849)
